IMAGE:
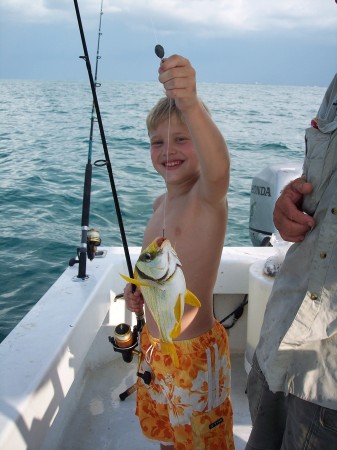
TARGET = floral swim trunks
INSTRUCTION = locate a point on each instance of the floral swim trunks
(188, 407)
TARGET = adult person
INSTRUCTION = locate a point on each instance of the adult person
(292, 387)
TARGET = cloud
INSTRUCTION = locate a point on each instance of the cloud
(228, 40)
(208, 16)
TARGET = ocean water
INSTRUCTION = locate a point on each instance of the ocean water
(44, 135)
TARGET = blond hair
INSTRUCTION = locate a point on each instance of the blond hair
(162, 111)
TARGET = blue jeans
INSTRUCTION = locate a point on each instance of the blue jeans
(287, 422)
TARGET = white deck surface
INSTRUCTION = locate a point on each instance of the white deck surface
(104, 422)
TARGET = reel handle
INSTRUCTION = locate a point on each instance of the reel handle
(146, 376)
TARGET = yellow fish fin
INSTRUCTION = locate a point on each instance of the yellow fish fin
(177, 314)
(168, 348)
(134, 281)
(191, 299)
(176, 331)
(177, 309)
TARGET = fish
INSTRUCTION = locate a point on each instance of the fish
(158, 274)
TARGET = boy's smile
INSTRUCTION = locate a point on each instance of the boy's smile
(172, 150)
(172, 164)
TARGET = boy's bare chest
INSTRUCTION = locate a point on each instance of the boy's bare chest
(171, 220)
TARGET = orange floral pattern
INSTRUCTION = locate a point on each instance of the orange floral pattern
(188, 406)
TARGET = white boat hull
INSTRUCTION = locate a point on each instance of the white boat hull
(47, 361)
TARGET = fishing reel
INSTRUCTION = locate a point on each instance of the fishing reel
(125, 342)
(93, 240)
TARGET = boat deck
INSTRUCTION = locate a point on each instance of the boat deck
(52, 400)
(104, 422)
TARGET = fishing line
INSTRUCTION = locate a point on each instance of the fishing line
(166, 167)
(107, 162)
(154, 30)
(159, 51)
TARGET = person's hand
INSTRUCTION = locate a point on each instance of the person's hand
(291, 222)
(178, 77)
(134, 300)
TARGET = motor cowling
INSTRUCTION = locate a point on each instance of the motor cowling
(267, 186)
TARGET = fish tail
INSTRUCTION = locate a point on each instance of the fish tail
(168, 348)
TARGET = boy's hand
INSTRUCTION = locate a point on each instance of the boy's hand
(291, 222)
(134, 300)
(178, 77)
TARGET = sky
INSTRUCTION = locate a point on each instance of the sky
(290, 42)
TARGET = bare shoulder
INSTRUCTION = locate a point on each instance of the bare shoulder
(158, 201)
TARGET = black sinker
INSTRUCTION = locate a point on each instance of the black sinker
(159, 50)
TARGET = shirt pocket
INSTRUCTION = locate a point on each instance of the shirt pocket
(318, 166)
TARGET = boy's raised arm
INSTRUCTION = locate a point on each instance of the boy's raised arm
(179, 80)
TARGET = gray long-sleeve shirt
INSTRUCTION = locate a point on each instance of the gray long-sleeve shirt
(297, 351)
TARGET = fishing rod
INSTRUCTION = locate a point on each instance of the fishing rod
(107, 162)
(90, 238)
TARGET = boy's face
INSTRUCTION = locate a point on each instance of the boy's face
(172, 152)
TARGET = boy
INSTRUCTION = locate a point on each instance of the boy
(187, 407)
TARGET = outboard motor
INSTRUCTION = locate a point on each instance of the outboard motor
(267, 186)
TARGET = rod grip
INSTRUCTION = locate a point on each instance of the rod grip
(128, 392)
